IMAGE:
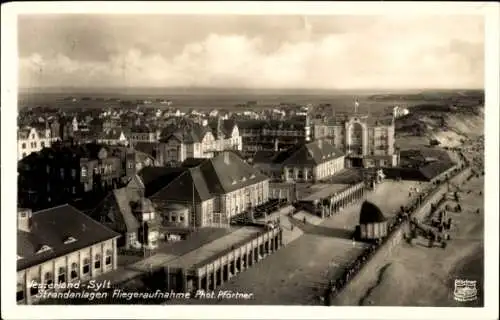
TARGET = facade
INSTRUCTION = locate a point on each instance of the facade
(59, 246)
(31, 140)
(203, 192)
(143, 134)
(268, 135)
(189, 139)
(306, 162)
(226, 134)
(366, 141)
(113, 137)
(189, 274)
(65, 172)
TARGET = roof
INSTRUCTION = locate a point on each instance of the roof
(111, 134)
(123, 197)
(149, 148)
(227, 172)
(52, 227)
(192, 162)
(316, 152)
(209, 177)
(23, 133)
(434, 169)
(185, 130)
(370, 213)
(188, 186)
(142, 129)
(227, 127)
(156, 178)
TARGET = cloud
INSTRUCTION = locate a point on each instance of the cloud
(391, 53)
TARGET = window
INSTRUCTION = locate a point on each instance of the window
(109, 253)
(97, 262)
(20, 295)
(174, 219)
(181, 219)
(74, 270)
(49, 278)
(44, 248)
(61, 278)
(73, 173)
(42, 144)
(84, 172)
(34, 289)
(86, 266)
(69, 240)
(23, 146)
(73, 190)
(62, 173)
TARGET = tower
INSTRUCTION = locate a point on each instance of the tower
(219, 128)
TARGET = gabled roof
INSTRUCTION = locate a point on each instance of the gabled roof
(187, 187)
(312, 153)
(52, 227)
(227, 127)
(157, 178)
(227, 172)
(186, 131)
(434, 169)
(123, 198)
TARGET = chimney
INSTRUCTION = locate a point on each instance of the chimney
(226, 157)
(24, 220)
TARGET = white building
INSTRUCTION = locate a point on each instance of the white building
(58, 247)
(31, 140)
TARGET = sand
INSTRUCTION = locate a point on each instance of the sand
(419, 276)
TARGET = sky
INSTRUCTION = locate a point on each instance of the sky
(268, 52)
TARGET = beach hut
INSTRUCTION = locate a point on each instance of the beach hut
(372, 223)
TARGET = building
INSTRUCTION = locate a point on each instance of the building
(365, 140)
(66, 172)
(60, 246)
(31, 140)
(267, 135)
(305, 162)
(210, 266)
(213, 190)
(186, 138)
(227, 135)
(113, 137)
(143, 133)
(372, 223)
(399, 112)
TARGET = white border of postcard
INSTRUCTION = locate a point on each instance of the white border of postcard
(9, 103)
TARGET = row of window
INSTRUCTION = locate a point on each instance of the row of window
(33, 145)
(61, 275)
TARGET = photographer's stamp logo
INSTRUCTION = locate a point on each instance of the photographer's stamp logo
(465, 290)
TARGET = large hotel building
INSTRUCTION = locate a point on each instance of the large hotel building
(367, 141)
